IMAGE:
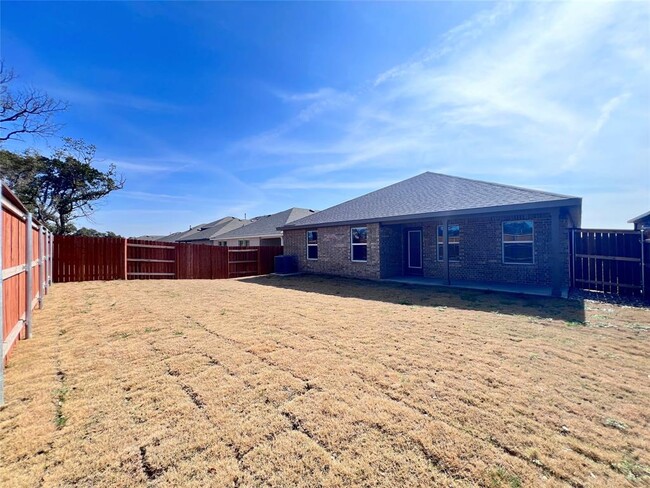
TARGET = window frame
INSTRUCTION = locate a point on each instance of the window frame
(222, 243)
(352, 244)
(246, 243)
(312, 245)
(439, 254)
(531, 242)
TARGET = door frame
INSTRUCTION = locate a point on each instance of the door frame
(408, 269)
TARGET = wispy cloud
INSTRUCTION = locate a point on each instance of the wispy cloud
(605, 113)
(145, 166)
(451, 41)
(319, 94)
(159, 197)
(77, 95)
(522, 92)
(166, 198)
(296, 184)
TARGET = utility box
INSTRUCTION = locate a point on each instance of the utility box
(286, 265)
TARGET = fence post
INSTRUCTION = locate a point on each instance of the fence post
(50, 255)
(29, 275)
(46, 251)
(126, 259)
(573, 258)
(41, 266)
(47, 260)
(2, 325)
(643, 283)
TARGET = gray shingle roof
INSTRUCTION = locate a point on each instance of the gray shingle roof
(639, 218)
(212, 229)
(267, 226)
(171, 237)
(431, 193)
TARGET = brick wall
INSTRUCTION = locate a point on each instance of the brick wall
(391, 250)
(480, 251)
(334, 252)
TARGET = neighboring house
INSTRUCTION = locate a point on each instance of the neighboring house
(641, 222)
(171, 237)
(263, 231)
(148, 238)
(448, 229)
(202, 234)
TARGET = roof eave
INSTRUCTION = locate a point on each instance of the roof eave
(567, 202)
(638, 218)
(250, 236)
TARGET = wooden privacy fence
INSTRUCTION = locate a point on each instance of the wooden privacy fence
(26, 263)
(78, 258)
(611, 261)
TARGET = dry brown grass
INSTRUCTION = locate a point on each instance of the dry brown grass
(310, 381)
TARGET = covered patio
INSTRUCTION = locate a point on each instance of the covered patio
(477, 285)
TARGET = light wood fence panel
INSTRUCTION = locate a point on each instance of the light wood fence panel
(25, 258)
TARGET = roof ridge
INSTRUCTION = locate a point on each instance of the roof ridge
(503, 185)
(375, 191)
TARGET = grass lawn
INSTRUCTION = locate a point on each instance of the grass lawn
(311, 381)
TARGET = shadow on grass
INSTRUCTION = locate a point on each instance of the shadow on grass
(571, 311)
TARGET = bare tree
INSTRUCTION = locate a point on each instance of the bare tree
(25, 111)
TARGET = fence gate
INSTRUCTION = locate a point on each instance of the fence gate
(611, 261)
(243, 262)
(149, 260)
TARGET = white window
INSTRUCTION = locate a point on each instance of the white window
(518, 242)
(244, 243)
(222, 243)
(312, 244)
(359, 244)
(453, 242)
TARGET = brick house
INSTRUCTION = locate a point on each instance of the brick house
(263, 231)
(446, 230)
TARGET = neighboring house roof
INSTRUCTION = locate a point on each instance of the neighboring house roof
(148, 238)
(640, 218)
(212, 229)
(171, 237)
(267, 226)
(429, 195)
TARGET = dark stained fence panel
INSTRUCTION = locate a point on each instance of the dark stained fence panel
(610, 261)
(150, 260)
(79, 258)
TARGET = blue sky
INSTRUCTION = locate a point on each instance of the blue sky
(213, 109)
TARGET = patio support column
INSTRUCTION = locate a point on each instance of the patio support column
(445, 248)
(556, 254)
